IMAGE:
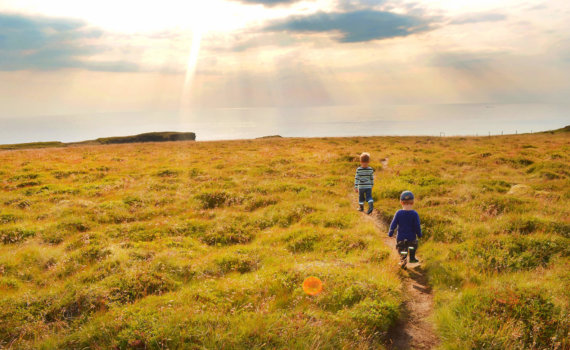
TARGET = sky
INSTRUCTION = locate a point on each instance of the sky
(75, 70)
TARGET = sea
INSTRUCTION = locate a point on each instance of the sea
(210, 124)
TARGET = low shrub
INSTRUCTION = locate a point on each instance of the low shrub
(211, 200)
(239, 262)
(495, 186)
(508, 253)
(74, 225)
(137, 284)
(301, 241)
(216, 199)
(561, 228)
(14, 235)
(504, 317)
(133, 202)
(516, 162)
(525, 225)
(498, 205)
(434, 225)
(375, 315)
(8, 218)
(228, 234)
(253, 204)
(52, 237)
(168, 173)
(75, 303)
(550, 170)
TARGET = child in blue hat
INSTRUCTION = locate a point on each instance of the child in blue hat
(407, 220)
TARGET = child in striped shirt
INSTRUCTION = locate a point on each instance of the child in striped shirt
(363, 182)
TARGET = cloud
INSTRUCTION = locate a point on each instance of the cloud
(468, 61)
(351, 5)
(356, 26)
(479, 17)
(41, 43)
(269, 2)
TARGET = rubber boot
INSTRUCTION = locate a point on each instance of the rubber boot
(403, 260)
(361, 207)
(370, 207)
(412, 251)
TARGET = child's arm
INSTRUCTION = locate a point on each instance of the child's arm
(393, 225)
(418, 227)
(356, 179)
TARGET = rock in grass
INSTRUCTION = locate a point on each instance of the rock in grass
(520, 190)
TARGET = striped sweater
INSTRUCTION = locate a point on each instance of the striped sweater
(364, 178)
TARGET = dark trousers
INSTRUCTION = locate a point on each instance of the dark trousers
(408, 246)
(365, 194)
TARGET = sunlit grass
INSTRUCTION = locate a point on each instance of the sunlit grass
(207, 245)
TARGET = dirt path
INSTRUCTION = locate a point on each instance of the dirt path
(414, 329)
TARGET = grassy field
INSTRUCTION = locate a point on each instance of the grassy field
(206, 245)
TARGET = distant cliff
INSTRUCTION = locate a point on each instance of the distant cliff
(149, 137)
(146, 137)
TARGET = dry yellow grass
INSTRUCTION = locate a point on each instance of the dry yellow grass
(206, 245)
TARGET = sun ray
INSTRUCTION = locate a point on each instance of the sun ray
(191, 66)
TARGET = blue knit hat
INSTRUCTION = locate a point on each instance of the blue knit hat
(406, 196)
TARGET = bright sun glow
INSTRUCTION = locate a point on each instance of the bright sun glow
(149, 16)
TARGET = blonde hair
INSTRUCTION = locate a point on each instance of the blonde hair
(365, 157)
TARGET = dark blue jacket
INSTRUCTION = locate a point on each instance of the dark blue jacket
(408, 224)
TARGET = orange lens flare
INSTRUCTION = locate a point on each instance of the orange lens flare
(312, 285)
